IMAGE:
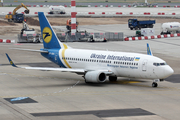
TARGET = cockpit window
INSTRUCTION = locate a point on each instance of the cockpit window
(163, 63)
(159, 64)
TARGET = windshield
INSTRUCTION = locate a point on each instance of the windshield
(20, 15)
(130, 21)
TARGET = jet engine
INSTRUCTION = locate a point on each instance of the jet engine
(95, 77)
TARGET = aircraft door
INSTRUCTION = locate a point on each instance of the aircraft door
(144, 65)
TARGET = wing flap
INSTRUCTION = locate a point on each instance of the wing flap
(56, 69)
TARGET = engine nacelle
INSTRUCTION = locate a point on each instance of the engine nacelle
(95, 76)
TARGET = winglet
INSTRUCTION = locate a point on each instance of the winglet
(149, 50)
(11, 62)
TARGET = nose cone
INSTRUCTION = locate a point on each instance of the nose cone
(168, 71)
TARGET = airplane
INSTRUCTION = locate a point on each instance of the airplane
(95, 65)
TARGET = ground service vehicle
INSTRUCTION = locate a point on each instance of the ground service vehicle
(57, 9)
(135, 24)
(170, 28)
(68, 24)
(28, 35)
(17, 17)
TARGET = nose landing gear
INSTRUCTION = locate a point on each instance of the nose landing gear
(154, 84)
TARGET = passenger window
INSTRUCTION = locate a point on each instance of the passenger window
(158, 64)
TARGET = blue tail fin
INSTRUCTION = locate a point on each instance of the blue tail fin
(149, 50)
(49, 37)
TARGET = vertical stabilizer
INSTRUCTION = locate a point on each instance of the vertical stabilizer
(149, 50)
(49, 37)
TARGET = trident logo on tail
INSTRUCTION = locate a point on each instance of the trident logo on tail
(47, 34)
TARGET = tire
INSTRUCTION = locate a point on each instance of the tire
(154, 84)
(131, 28)
(50, 12)
(151, 26)
(9, 20)
(112, 78)
(92, 40)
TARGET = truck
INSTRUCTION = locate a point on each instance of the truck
(57, 10)
(170, 28)
(136, 24)
(17, 17)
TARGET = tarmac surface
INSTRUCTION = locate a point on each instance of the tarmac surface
(32, 94)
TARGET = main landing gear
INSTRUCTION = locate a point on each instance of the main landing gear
(112, 78)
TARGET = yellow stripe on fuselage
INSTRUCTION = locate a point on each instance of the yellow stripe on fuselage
(63, 55)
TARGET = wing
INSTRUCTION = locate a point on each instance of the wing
(78, 71)
(41, 51)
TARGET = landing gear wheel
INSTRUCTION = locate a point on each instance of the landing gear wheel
(112, 78)
(154, 84)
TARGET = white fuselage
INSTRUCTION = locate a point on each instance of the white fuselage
(122, 64)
